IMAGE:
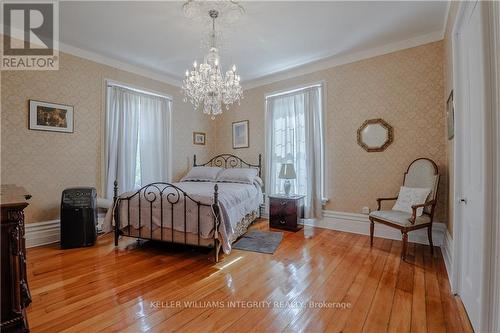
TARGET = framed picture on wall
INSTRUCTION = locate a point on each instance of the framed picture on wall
(199, 138)
(450, 116)
(44, 116)
(240, 134)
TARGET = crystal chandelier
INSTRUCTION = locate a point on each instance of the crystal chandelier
(205, 85)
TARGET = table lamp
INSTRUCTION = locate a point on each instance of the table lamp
(287, 172)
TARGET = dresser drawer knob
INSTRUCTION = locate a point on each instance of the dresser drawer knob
(282, 222)
(283, 203)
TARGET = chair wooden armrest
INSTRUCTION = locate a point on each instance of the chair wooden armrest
(379, 200)
(415, 207)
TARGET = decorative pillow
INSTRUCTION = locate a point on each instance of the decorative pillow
(238, 175)
(409, 196)
(202, 174)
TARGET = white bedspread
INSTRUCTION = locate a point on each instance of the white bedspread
(235, 201)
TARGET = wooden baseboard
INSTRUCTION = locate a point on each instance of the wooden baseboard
(359, 224)
(447, 250)
(42, 233)
(47, 232)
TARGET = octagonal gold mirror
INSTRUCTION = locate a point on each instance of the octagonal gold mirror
(375, 135)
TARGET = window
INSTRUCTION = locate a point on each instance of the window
(137, 138)
(295, 134)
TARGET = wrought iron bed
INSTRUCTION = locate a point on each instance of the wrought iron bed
(169, 194)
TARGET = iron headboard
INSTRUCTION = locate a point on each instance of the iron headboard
(230, 161)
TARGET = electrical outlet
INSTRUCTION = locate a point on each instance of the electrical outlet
(365, 210)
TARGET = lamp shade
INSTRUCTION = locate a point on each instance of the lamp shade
(287, 171)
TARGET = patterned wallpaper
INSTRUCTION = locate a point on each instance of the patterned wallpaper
(45, 163)
(405, 88)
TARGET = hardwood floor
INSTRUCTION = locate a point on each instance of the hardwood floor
(332, 281)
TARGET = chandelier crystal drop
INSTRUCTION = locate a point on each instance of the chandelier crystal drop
(205, 86)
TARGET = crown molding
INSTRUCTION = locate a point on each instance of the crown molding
(342, 60)
(280, 75)
(446, 17)
(149, 73)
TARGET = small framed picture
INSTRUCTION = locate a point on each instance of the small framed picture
(240, 134)
(450, 116)
(44, 116)
(199, 138)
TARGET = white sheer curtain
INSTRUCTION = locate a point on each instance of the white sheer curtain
(137, 139)
(295, 134)
(122, 129)
(154, 140)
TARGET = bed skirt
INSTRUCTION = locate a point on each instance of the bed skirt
(191, 238)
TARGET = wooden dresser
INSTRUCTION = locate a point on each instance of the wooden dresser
(285, 212)
(14, 283)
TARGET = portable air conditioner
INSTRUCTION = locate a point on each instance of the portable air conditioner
(78, 217)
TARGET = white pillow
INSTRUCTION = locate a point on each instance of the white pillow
(257, 180)
(202, 174)
(409, 196)
(238, 175)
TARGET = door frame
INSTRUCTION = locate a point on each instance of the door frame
(495, 258)
(491, 275)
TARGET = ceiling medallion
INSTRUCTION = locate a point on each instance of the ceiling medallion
(229, 11)
(204, 85)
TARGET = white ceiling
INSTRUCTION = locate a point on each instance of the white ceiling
(271, 36)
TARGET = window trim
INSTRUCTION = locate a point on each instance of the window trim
(294, 89)
(106, 83)
(113, 83)
(323, 95)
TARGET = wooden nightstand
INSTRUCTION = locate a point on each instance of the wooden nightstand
(285, 212)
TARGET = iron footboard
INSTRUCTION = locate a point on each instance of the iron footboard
(171, 196)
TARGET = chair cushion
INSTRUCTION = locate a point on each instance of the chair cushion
(400, 218)
(409, 196)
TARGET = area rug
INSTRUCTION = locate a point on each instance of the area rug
(259, 241)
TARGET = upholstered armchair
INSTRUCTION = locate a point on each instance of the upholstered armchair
(421, 174)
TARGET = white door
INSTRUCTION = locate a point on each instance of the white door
(471, 136)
